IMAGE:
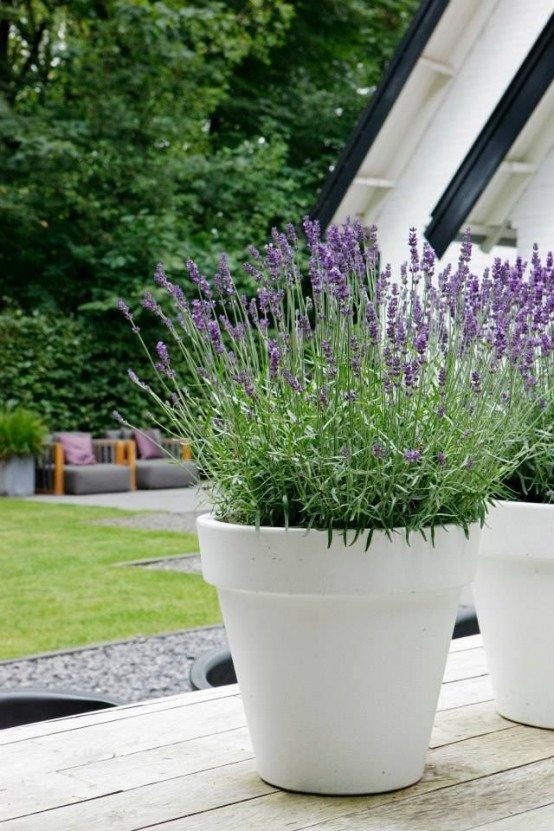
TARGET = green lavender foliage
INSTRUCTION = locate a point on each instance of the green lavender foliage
(339, 398)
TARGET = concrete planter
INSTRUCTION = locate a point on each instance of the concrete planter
(17, 476)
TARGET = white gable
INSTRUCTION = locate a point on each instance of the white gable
(469, 61)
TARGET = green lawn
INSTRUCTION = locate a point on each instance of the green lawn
(61, 585)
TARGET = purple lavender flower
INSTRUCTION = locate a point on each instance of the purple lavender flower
(215, 337)
(379, 451)
(201, 314)
(236, 331)
(274, 259)
(312, 232)
(373, 329)
(412, 455)
(245, 381)
(136, 380)
(199, 279)
(293, 382)
(420, 342)
(291, 234)
(338, 284)
(253, 272)
(222, 280)
(441, 459)
(274, 358)
(410, 370)
(304, 327)
(465, 249)
(428, 260)
(126, 312)
(161, 349)
(150, 304)
(159, 276)
(264, 299)
(414, 255)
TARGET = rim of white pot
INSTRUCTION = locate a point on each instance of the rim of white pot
(273, 560)
(518, 531)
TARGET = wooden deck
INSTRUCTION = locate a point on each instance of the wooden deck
(185, 764)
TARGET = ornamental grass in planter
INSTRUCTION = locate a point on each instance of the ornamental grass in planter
(353, 427)
(22, 434)
(514, 588)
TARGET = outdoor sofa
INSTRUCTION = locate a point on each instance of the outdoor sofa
(75, 463)
(157, 461)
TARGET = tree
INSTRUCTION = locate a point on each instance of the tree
(138, 131)
(103, 106)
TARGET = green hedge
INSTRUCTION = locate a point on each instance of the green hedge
(71, 370)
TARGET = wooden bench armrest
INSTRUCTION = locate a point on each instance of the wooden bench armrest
(111, 451)
(49, 466)
(130, 452)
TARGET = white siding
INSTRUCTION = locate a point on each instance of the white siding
(533, 217)
(497, 53)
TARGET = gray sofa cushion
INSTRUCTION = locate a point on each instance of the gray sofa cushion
(164, 473)
(99, 478)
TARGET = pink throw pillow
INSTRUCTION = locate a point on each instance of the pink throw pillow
(147, 444)
(77, 448)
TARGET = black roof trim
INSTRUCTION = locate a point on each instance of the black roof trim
(397, 73)
(493, 143)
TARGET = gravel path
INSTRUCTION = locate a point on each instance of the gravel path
(132, 670)
(128, 671)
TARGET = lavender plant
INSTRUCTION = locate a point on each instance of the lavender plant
(336, 397)
(532, 480)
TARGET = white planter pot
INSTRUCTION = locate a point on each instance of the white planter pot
(514, 599)
(17, 476)
(339, 652)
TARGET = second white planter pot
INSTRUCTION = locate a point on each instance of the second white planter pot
(514, 599)
(339, 652)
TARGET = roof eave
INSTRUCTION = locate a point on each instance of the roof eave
(494, 141)
(383, 99)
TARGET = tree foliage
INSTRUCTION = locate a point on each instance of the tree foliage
(105, 106)
(138, 131)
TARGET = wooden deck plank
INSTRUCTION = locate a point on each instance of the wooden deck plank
(125, 771)
(450, 765)
(63, 725)
(97, 742)
(470, 642)
(467, 663)
(467, 722)
(482, 804)
(126, 811)
(185, 764)
(538, 819)
(467, 691)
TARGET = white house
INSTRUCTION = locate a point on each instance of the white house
(459, 133)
